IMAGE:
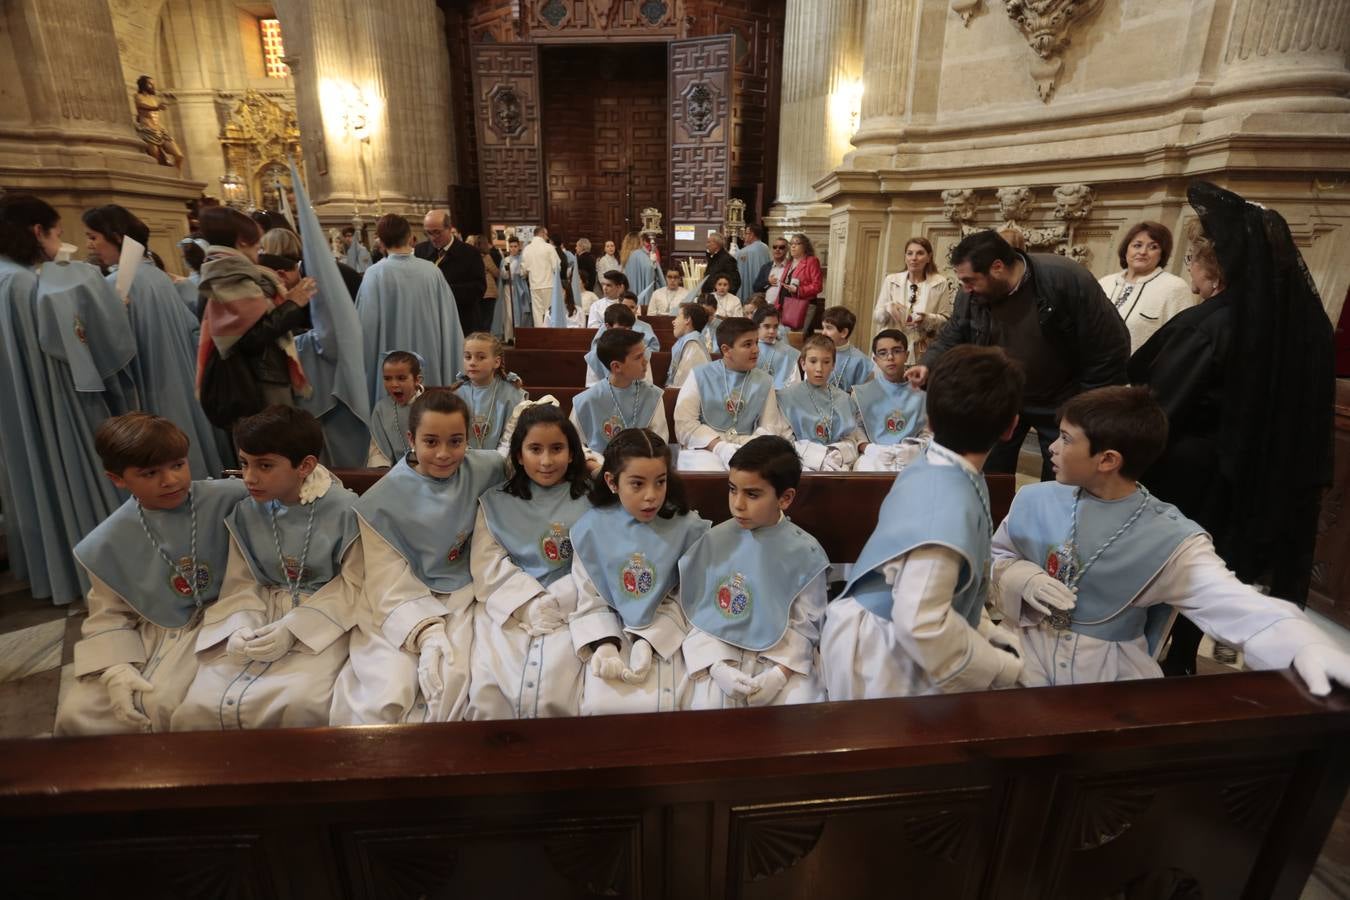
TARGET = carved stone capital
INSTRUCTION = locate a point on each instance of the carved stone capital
(1073, 202)
(1045, 24)
(958, 205)
(967, 9)
(1014, 203)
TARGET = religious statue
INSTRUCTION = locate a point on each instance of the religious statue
(158, 142)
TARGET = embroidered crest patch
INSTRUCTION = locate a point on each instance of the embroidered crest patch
(638, 576)
(179, 580)
(822, 432)
(895, 421)
(294, 570)
(480, 429)
(734, 403)
(79, 331)
(612, 426)
(1062, 562)
(733, 597)
(557, 546)
(457, 550)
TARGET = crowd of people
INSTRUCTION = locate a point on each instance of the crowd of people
(515, 561)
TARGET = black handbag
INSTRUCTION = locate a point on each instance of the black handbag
(229, 390)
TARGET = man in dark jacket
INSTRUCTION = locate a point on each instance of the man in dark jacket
(720, 262)
(461, 265)
(1049, 314)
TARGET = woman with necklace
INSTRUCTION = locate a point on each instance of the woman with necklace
(1145, 295)
(917, 301)
(826, 435)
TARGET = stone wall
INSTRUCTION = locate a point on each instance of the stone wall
(1130, 97)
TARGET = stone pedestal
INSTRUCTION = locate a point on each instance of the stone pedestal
(66, 131)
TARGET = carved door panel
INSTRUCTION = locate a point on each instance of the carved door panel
(701, 95)
(507, 114)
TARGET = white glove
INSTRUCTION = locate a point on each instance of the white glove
(847, 453)
(639, 662)
(606, 664)
(908, 450)
(1004, 640)
(833, 461)
(236, 647)
(433, 652)
(812, 454)
(725, 450)
(768, 684)
(1047, 595)
(733, 682)
(122, 680)
(541, 615)
(269, 643)
(1319, 665)
(876, 451)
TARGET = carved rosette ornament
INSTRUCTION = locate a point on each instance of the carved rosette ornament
(1045, 24)
(700, 113)
(506, 112)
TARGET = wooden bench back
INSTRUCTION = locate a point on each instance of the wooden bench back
(565, 367)
(840, 510)
(580, 338)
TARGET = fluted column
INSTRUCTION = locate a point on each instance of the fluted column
(889, 26)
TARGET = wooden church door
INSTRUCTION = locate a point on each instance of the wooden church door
(701, 134)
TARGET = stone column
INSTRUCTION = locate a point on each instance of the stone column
(822, 68)
(66, 128)
(888, 35)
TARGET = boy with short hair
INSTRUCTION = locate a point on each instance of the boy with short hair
(689, 351)
(623, 400)
(665, 300)
(630, 300)
(890, 411)
(616, 316)
(754, 591)
(776, 356)
(402, 373)
(912, 620)
(709, 304)
(820, 414)
(728, 304)
(612, 286)
(1093, 569)
(270, 649)
(153, 566)
(850, 365)
(726, 403)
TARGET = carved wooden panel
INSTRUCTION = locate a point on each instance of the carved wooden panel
(701, 92)
(591, 857)
(937, 846)
(588, 19)
(605, 145)
(507, 119)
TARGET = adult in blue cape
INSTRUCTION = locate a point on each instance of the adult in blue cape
(331, 352)
(357, 256)
(644, 275)
(166, 333)
(66, 357)
(404, 302)
(753, 256)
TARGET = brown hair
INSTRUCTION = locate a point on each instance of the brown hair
(498, 351)
(1200, 249)
(1014, 238)
(393, 230)
(138, 440)
(819, 342)
(731, 328)
(437, 400)
(283, 430)
(18, 214)
(973, 395)
(931, 268)
(226, 227)
(639, 443)
(281, 242)
(1155, 230)
(697, 315)
(842, 318)
(1125, 419)
(809, 248)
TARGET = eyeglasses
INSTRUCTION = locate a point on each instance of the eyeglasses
(780, 246)
(893, 353)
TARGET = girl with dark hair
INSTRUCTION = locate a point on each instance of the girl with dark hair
(166, 335)
(522, 574)
(414, 631)
(66, 356)
(628, 625)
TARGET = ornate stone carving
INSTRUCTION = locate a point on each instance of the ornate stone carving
(1014, 204)
(959, 204)
(699, 112)
(505, 111)
(1073, 202)
(966, 9)
(1045, 24)
(776, 845)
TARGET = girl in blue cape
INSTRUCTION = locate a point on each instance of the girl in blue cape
(402, 373)
(409, 658)
(494, 395)
(524, 665)
(628, 625)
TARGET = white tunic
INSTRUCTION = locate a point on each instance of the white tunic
(694, 435)
(694, 355)
(595, 316)
(295, 691)
(657, 424)
(728, 306)
(516, 675)
(935, 299)
(1195, 581)
(666, 687)
(1148, 303)
(926, 647)
(797, 650)
(665, 302)
(379, 683)
(539, 261)
(114, 632)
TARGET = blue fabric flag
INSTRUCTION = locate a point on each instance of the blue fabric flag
(558, 314)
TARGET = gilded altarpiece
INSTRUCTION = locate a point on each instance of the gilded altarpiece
(257, 139)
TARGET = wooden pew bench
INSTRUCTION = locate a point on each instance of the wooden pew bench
(1232, 781)
(565, 367)
(580, 338)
